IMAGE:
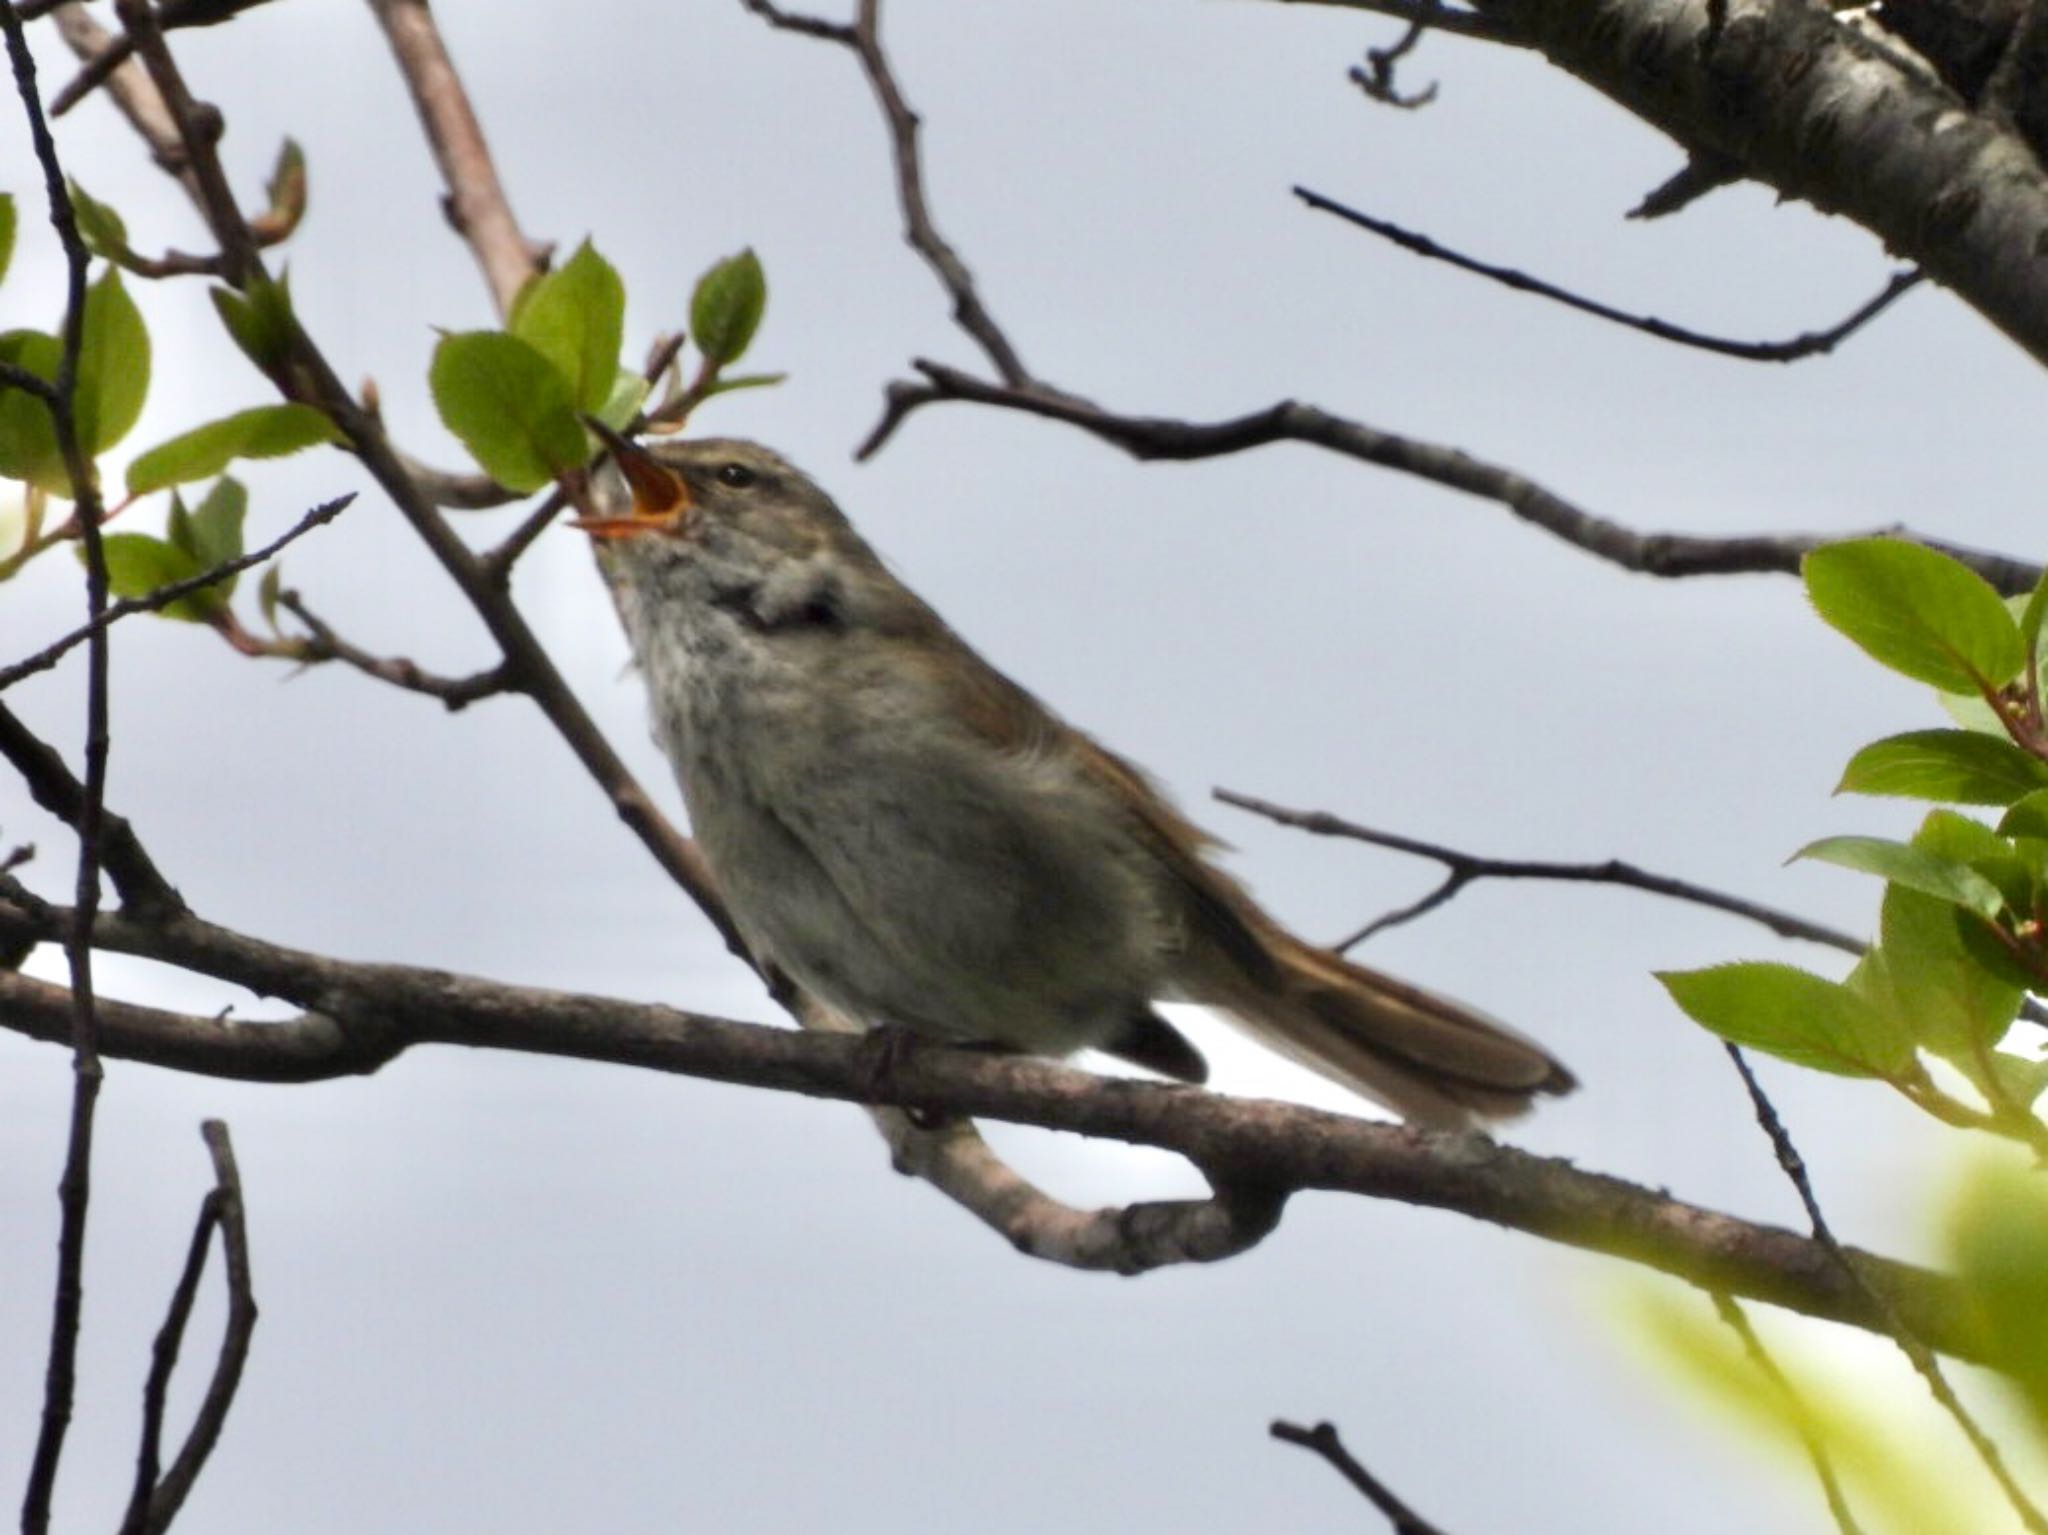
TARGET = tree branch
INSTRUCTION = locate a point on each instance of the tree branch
(476, 202)
(1897, 1327)
(164, 596)
(157, 1498)
(1813, 343)
(1323, 1440)
(455, 693)
(1158, 437)
(864, 38)
(1819, 113)
(74, 1187)
(1467, 867)
(361, 1016)
(1737, 1321)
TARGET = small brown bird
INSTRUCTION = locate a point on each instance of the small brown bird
(917, 840)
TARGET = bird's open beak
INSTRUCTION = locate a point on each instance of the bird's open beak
(660, 498)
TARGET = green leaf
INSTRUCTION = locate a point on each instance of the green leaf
(267, 591)
(1917, 611)
(268, 431)
(138, 565)
(113, 366)
(726, 308)
(575, 317)
(1793, 1014)
(7, 219)
(1998, 1249)
(28, 441)
(2027, 817)
(744, 381)
(1945, 879)
(260, 320)
(1942, 996)
(629, 392)
(212, 535)
(2032, 617)
(100, 227)
(510, 406)
(1961, 766)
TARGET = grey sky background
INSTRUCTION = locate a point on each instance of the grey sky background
(529, 1295)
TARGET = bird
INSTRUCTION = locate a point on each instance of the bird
(919, 842)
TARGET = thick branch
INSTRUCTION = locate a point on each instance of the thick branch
(364, 1015)
(1810, 108)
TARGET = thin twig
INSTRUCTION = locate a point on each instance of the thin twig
(1909, 1341)
(143, 889)
(1323, 1440)
(1806, 344)
(170, 1338)
(176, 1483)
(1431, 14)
(1737, 1320)
(1669, 555)
(171, 16)
(1376, 76)
(1703, 172)
(74, 1189)
(864, 38)
(1466, 867)
(323, 644)
(164, 596)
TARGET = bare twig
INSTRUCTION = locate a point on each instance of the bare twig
(137, 99)
(1431, 14)
(864, 38)
(176, 1483)
(457, 693)
(1703, 172)
(1157, 437)
(1737, 1320)
(171, 15)
(74, 1189)
(1467, 867)
(1911, 1343)
(1806, 344)
(164, 596)
(163, 1362)
(142, 886)
(1376, 76)
(476, 202)
(1323, 1440)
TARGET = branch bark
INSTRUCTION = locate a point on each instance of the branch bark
(1812, 109)
(358, 1017)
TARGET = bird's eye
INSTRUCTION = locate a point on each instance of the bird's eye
(738, 476)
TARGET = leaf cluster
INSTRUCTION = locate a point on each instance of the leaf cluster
(1963, 928)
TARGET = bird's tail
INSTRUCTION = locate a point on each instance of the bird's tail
(1433, 1061)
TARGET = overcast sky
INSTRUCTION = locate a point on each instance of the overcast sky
(529, 1295)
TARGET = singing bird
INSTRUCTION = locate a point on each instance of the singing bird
(921, 843)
